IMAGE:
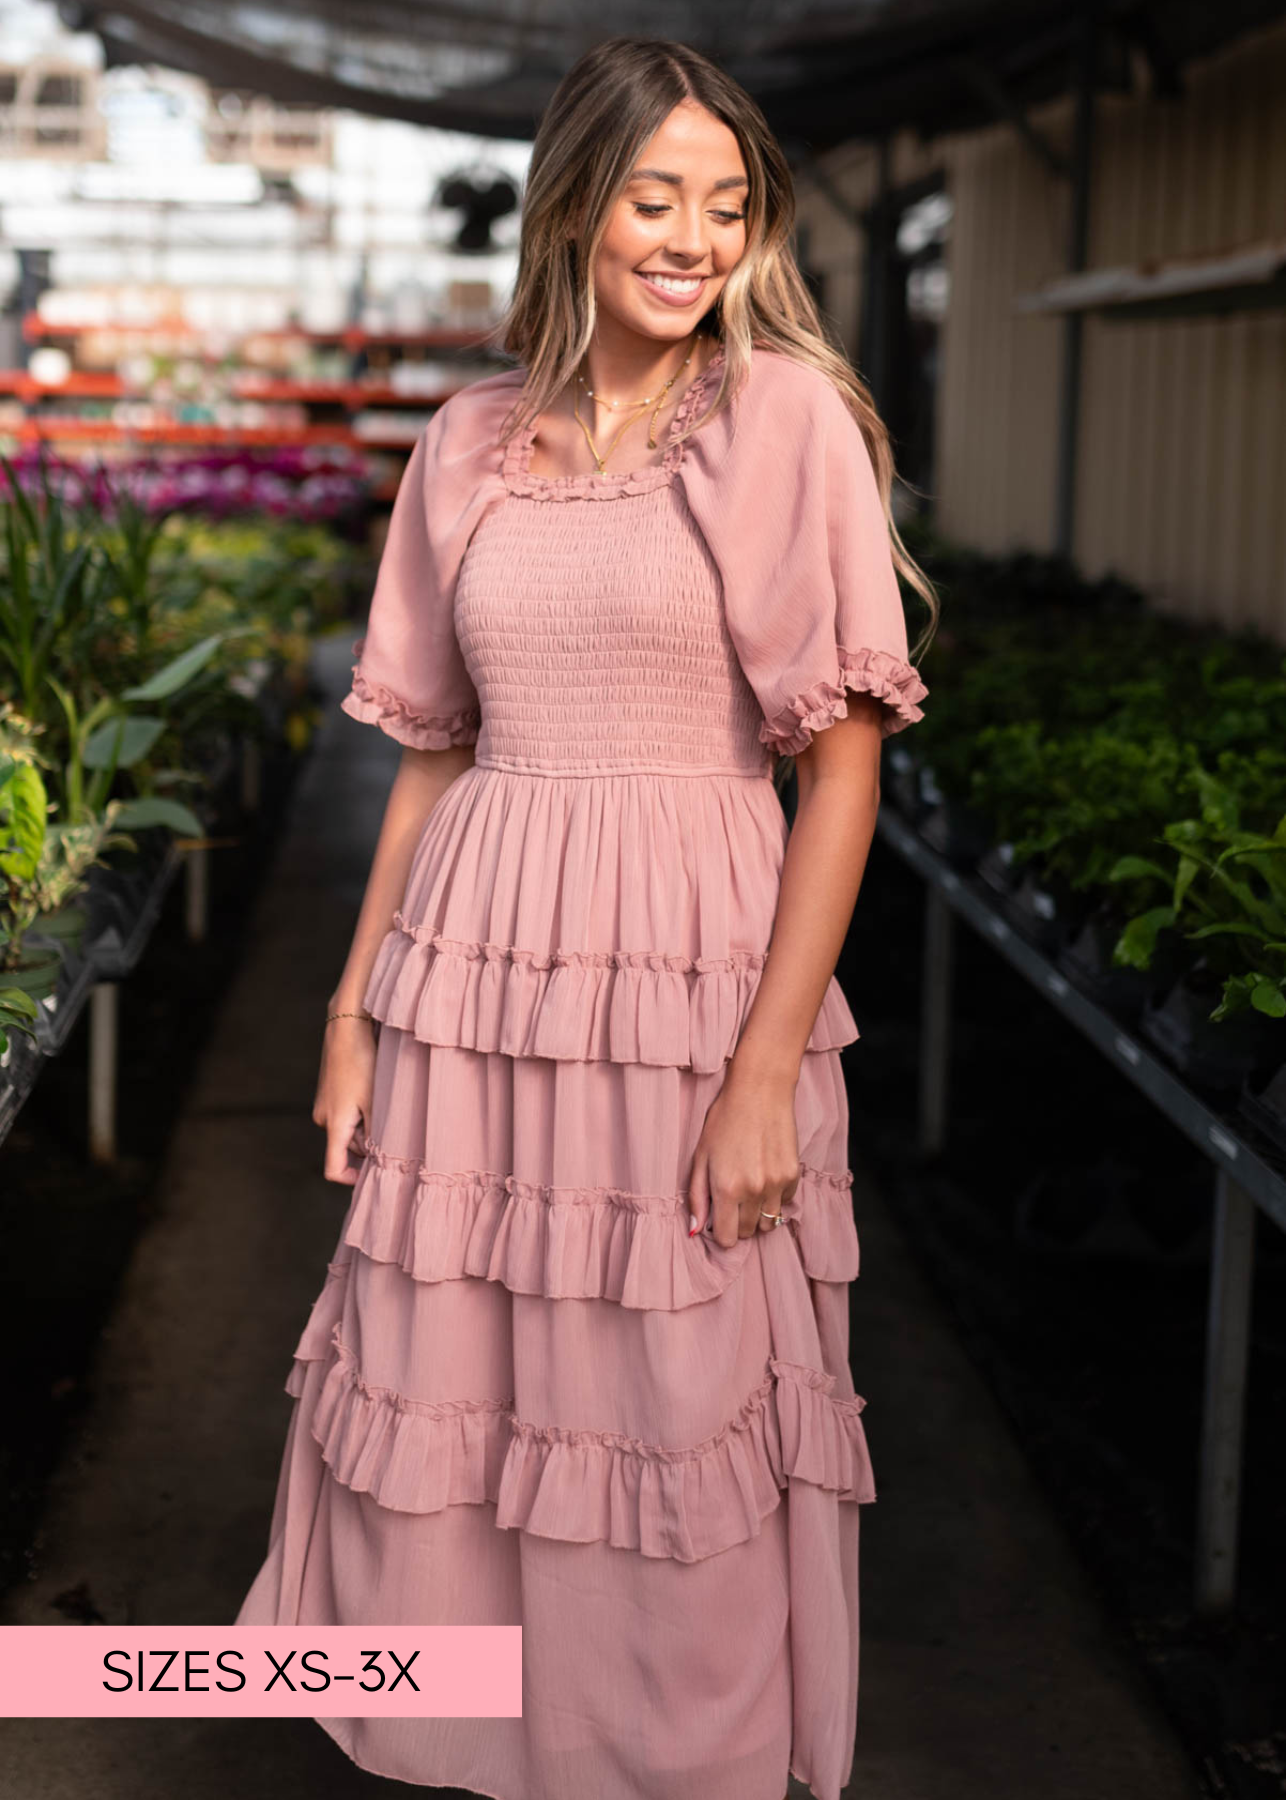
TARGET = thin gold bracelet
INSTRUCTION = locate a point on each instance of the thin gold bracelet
(369, 1017)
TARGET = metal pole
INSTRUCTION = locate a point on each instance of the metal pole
(1069, 401)
(1232, 1268)
(197, 893)
(103, 1039)
(874, 333)
(935, 1021)
(251, 773)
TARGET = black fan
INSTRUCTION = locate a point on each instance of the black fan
(483, 196)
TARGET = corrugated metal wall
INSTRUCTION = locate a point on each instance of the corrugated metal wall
(1182, 463)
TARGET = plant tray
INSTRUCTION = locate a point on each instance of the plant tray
(956, 832)
(1265, 1107)
(1087, 958)
(997, 869)
(1043, 914)
(1219, 1057)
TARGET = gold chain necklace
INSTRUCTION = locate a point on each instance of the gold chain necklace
(639, 406)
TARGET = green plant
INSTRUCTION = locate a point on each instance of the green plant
(54, 586)
(111, 736)
(44, 861)
(1232, 883)
(1072, 806)
(23, 813)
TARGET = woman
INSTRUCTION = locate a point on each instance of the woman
(567, 1371)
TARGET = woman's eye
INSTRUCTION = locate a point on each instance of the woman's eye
(650, 211)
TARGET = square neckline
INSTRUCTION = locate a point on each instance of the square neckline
(520, 478)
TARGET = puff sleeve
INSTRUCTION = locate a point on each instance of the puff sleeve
(786, 497)
(410, 678)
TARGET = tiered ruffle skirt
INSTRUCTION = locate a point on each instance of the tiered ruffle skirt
(525, 1396)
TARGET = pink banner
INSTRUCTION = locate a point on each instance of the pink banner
(256, 1671)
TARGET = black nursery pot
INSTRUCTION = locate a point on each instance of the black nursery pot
(1218, 1056)
(58, 1011)
(997, 868)
(957, 832)
(1087, 958)
(901, 779)
(1265, 1107)
(18, 1068)
(1047, 910)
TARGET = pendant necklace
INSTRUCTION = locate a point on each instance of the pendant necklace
(639, 406)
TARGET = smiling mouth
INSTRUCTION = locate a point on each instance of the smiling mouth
(683, 286)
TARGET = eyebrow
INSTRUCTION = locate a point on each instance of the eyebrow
(728, 181)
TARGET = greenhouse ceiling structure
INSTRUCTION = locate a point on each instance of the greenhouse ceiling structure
(823, 73)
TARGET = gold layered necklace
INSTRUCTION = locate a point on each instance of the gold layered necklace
(655, 401)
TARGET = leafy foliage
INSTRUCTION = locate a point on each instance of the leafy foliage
(1124, 751)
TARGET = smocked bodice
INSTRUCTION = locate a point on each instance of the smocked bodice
(595, 637)
(595, 633)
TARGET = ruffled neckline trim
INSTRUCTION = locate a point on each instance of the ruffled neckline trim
(613, 484)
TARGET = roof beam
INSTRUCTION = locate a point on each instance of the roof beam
(989, 86)
(1142, 28)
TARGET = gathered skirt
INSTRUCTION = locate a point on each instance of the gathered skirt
(525, 1396)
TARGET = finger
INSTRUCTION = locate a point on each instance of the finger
(784, 1192)
(727, 1220)
(771, 1207)
(698, 1194)
(337, 1166)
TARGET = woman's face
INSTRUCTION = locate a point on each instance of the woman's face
(681, 217)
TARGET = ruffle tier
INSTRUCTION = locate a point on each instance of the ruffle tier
(586, 1486)
(592, 918)
(577, 1243)
(414, 1455)
(644, 1006)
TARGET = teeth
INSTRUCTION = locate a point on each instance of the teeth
(686, 284)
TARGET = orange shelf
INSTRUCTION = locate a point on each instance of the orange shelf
(84, 384)
(443, 337)
(385, 443)
(91, 384)
(338, 393)
(107, 431)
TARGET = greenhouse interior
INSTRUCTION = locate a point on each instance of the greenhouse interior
(248, 255)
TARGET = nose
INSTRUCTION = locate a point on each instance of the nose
(690, 240)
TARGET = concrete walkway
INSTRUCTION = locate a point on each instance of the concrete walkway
(987, 1670)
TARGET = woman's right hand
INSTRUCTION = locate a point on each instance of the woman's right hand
(347, 1079)
(344, 1086)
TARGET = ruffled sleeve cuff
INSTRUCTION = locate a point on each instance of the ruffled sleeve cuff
(890, 678)
(374, 704)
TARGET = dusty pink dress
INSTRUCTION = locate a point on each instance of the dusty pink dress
(524, 1394)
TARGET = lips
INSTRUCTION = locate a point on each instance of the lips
(667, 294)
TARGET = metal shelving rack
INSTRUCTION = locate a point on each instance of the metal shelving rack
(1246, 1175)
(127, 921)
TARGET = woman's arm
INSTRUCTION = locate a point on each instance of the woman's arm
(747, 1159)
(343, 1100)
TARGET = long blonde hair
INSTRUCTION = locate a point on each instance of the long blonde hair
(604, 110)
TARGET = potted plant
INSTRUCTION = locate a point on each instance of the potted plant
(1222, 1020)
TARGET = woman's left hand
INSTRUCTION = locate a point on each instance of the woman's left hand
(746, 1161)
